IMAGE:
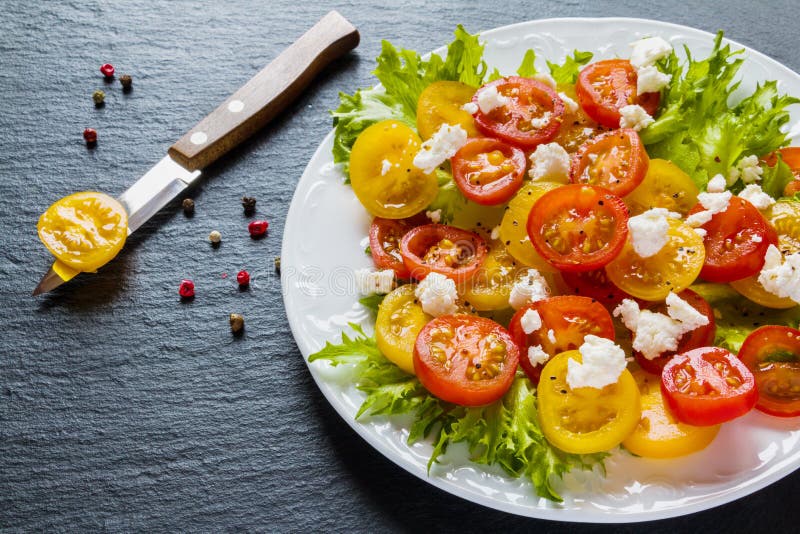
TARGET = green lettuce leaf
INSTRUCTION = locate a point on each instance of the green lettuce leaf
(567, 72)
(372, 302)
(449, 199)
(403, 75)
(528, 67)
(699, 129)
(505, 433)
(736, 317)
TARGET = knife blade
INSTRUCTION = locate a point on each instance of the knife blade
(247, 110)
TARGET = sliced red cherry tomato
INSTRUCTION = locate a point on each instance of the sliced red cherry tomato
(533, 116)
(466, 360)
(708, 386)
(702, 336)
(772, 353)
(488, 171)
(606, 86)
(615, 160)
(384, 242)
(578, 227)
(566, 321)
(595, 285)
(447, 250)
(736, 241)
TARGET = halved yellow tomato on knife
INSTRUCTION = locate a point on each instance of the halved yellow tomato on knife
(84, 231)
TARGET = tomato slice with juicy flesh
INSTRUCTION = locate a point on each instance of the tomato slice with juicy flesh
(604, 87)
(383, 175)
(585, 420)
(702, 336)
(595, 285)
(576, 127)
(614, 160)
(488, 171)
(466, 360)
(566, 321)
(490, 287)
(578, 227)
(84, 231)
(440, 103)
(399, 321)
(659, 434)
(664, 186)
(772, 353)
(384, 242)
(736, 241)
(514, 229)
(708, 386)
(447, 250)
(672, 269)
(532, 117)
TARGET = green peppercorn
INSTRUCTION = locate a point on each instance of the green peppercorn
(126, 81)
(278, 264)
(237, 323)
(99, 98)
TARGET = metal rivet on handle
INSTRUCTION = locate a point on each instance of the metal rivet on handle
(235, 106)
(198, 138)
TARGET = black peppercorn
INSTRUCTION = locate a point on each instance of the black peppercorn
(126, 81)
(249, 205)
(237, 323)
(188, 207)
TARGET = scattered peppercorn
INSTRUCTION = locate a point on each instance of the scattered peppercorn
(237, 323)
(186, 289)
(127, 82)
(258, 228)
(188, 207)
(249, 205)
(90, 136)
(99, 98)
(215, 237)
(278, 264)
(243, 278)
(107, 69)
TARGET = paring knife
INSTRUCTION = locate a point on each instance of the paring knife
(251, 107)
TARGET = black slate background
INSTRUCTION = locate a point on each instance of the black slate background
(123, 409)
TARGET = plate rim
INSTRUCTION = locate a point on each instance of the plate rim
(764, 479)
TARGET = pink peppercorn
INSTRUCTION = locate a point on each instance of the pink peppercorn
(107, 69)
(186, 289)
(90, 135)
(243, 278)
(258, 228)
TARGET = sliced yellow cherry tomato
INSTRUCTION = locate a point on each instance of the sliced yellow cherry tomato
(383, 175)
(490, 287)
(674, 268)
(585, 420)
(513, 228)
(84, 231)
(659, 434)
(440, 103)
(400, 318)
(784, 216)
(664, 186)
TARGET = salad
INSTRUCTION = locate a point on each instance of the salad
(600, 255)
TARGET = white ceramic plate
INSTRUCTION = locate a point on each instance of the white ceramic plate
(324, 242)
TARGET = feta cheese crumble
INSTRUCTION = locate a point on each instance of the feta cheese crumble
(657, 333)
(386, 166)
(550, 162)
(545, 78)
(530, 288)
(470, 107)
(434, 216)
(649, 231)
(369, 281)
(634, 116)
(717, 184)
(441, 147)
(748, 169)
(531, 321)
(569, 104)
(541, 122)
(756, 196)
(551, 336)
(647, 51)
(537, 355)
(495, 233)
(781, 274)
(490, 99)
(713, 203)
(650, 80)
(437, 294)
(603, 363)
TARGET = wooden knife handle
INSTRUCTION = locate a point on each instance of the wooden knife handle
(266, 94)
